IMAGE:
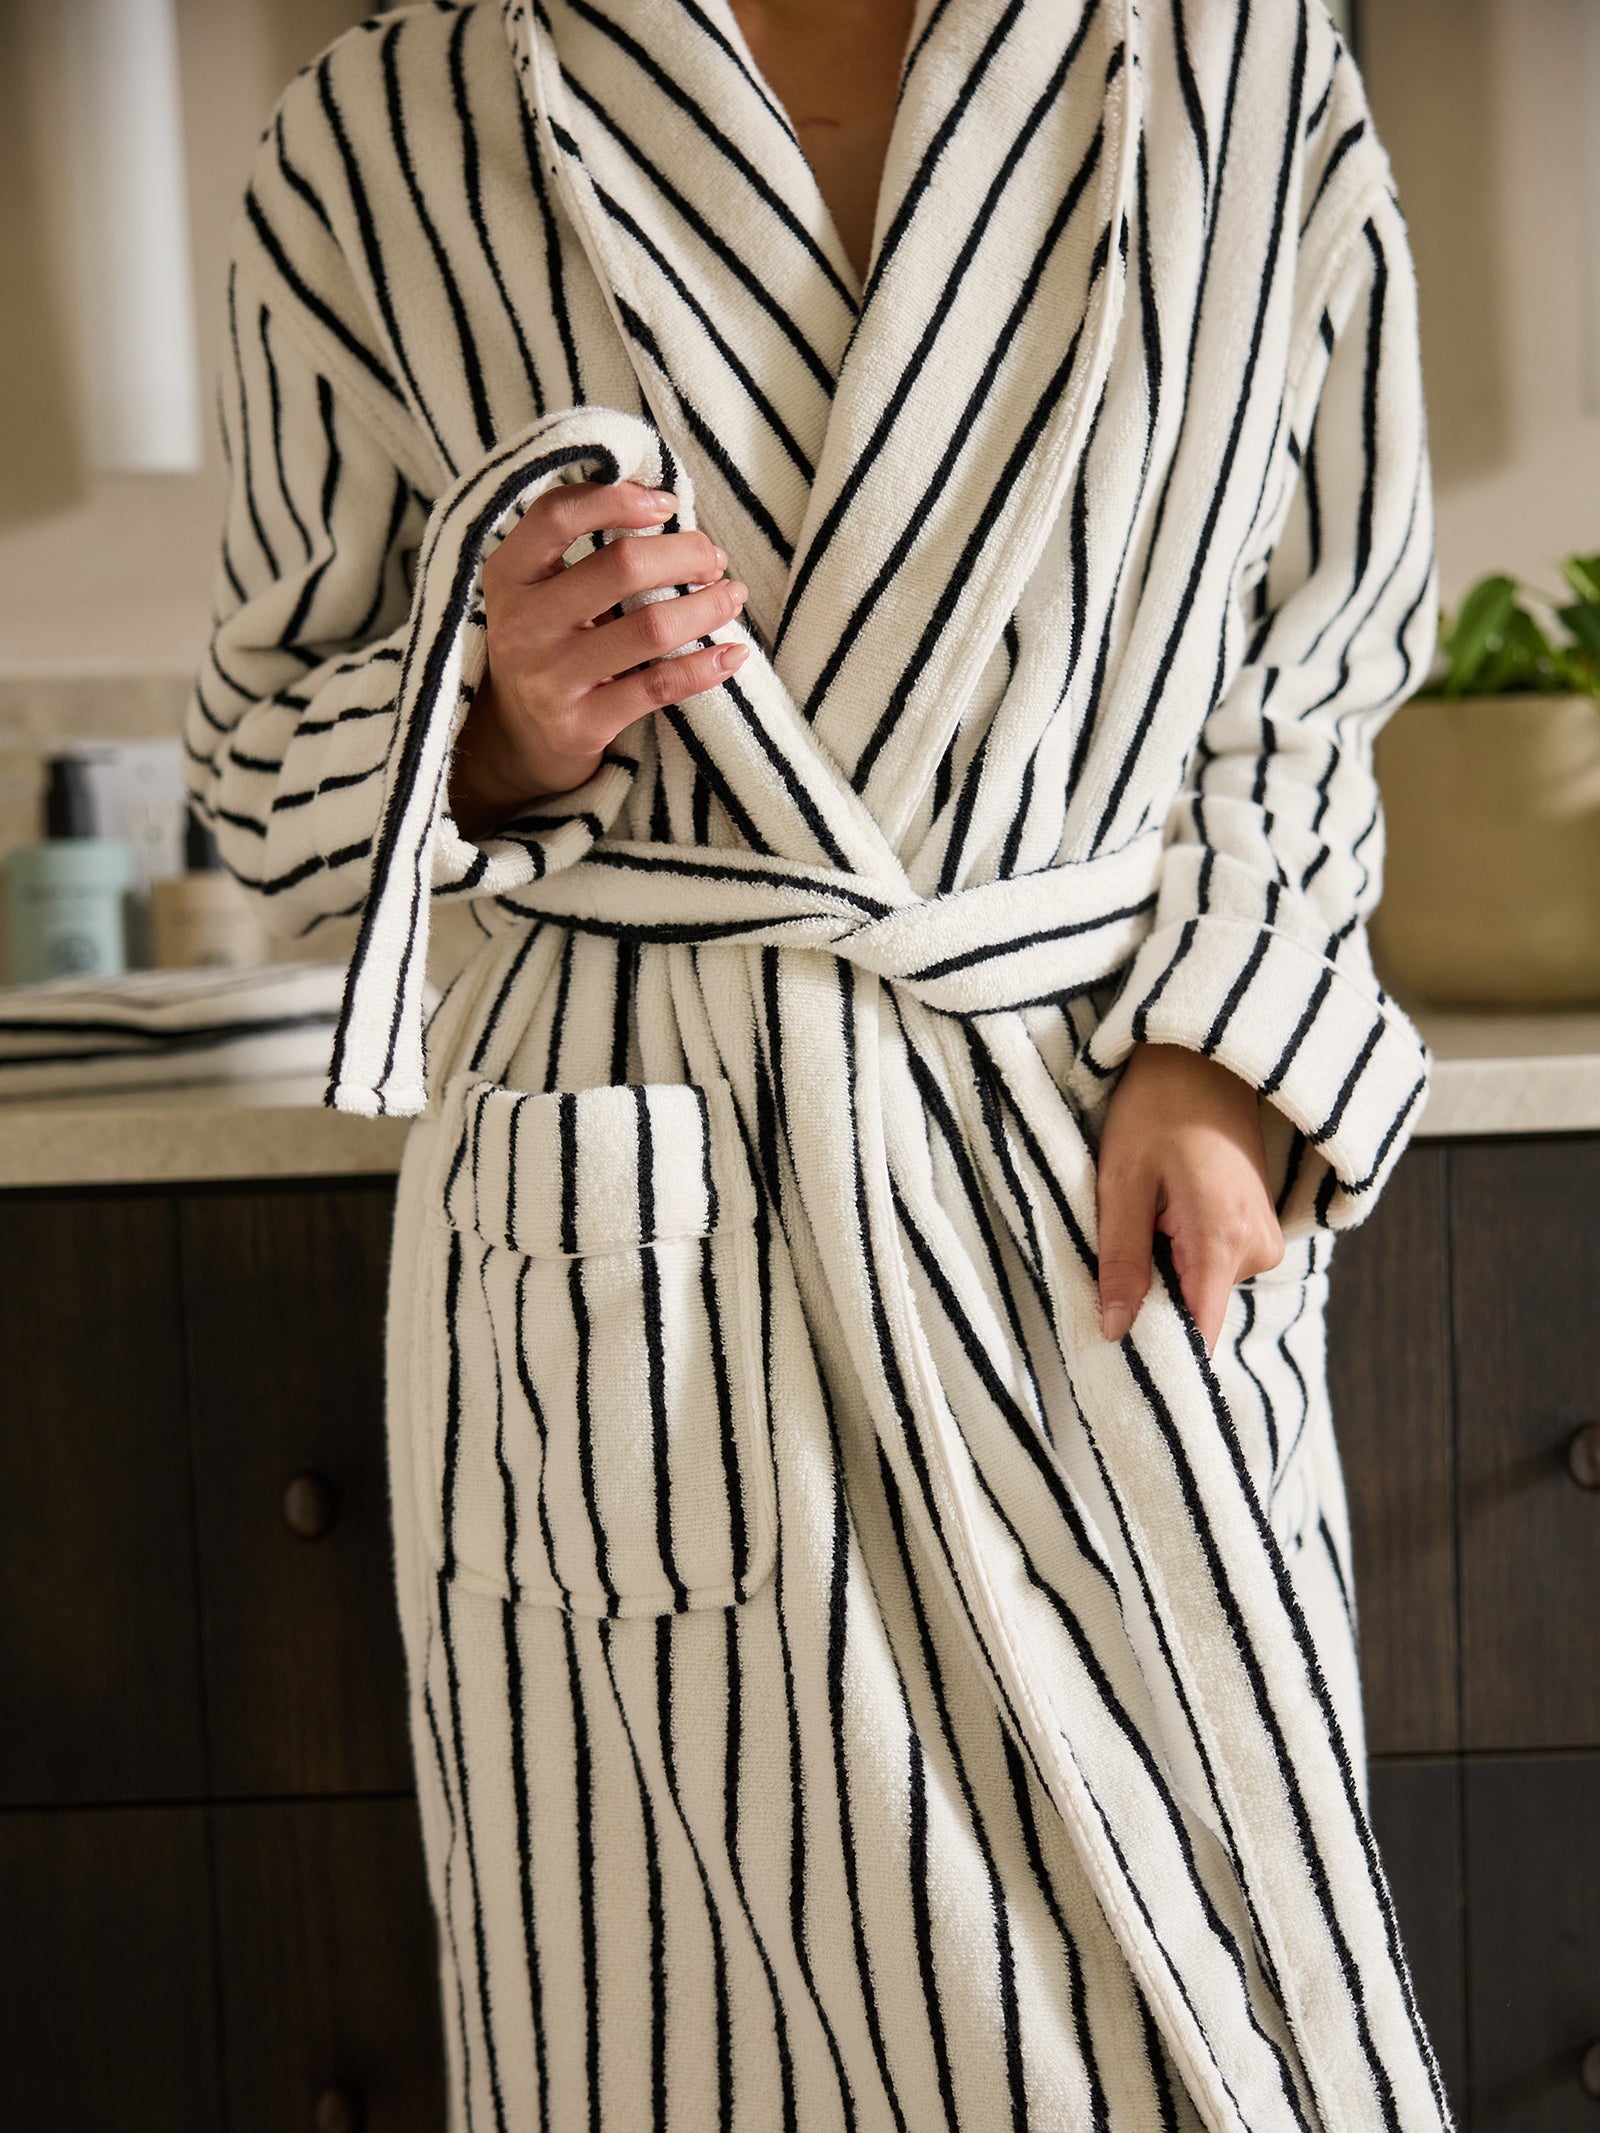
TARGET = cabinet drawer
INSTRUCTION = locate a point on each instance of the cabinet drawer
(1533, 1897)
(107, 2002)
(284, 1297)
(1416, 1812)
(1525, 1237)
(1389, 1376)
(329, 1979)
(99, 1657)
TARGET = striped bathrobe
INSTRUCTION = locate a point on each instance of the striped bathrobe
(850, 1696)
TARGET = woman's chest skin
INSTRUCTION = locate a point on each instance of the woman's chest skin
(834, 65)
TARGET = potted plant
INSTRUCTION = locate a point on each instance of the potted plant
(1491, 792)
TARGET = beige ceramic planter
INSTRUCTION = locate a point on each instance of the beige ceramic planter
(1492, 880)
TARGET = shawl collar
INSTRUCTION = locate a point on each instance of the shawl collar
(883, 466)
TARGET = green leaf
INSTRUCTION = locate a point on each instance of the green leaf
(1584, 623)
(1582, 573)
(1519, 660)
(1477, 633)
(1578, 671)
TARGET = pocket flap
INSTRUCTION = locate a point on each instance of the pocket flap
(593, 1170)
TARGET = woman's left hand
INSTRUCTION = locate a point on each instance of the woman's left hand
(1181, 1153)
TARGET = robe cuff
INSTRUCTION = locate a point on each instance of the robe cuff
(377, 1063)
(1337, 1062)
(547, 836)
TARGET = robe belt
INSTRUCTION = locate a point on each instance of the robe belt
(989, 949)
(998, 946)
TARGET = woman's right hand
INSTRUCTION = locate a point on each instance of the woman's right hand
(565, 675)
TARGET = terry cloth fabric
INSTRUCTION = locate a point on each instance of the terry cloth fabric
(155, 1026)
(846, 1692)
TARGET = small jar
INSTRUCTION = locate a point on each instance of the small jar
(204, 919)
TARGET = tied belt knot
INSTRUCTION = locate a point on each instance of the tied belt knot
(997, 946)
(993, 948)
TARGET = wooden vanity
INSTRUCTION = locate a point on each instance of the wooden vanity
(212, 1912)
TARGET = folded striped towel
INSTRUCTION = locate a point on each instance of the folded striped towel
(151, 1027)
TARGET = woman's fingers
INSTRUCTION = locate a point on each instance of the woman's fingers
(1219, 1237)
(534, 547)
(611, 649)
(533, 552)
(598, 583)
(1128, 1205)
(617, 704)
(1181, 1152)
(1207, 1268)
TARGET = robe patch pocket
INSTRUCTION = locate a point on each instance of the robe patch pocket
(600, 1439)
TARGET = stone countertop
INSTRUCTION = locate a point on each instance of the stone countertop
(1493, 1074)
(190, 1132)
(1511, 1073)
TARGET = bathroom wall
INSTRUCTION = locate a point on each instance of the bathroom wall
(111, 573)
(1491, 111)
(105, 579)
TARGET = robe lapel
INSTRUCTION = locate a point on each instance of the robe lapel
(707, 232)
(883, 468)
(965, 397)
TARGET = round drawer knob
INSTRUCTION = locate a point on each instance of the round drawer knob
(1583, 1457)
(309, 1509)
(1589, 2070)
(339, 2108)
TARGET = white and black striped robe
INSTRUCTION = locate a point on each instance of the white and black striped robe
(849, 1694)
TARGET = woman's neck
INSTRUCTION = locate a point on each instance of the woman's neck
(834, 65)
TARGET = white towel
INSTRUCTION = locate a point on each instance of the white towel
(151, 1027)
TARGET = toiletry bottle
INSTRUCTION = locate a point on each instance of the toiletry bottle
(67, 898)
(204, 918)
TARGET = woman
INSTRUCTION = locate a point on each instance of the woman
(876, 1660)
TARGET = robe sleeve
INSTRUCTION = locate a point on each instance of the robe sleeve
(1258, 953)
(340, 580)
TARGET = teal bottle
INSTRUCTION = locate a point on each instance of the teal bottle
(67, 898)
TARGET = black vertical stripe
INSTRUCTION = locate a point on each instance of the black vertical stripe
(655, 1900)
(731, 1823)
(458, 1968)
(472, 178)
(541, 1430)
(479, 1939)
(1083, 2029)
(583, 1790)
(838, 1612)
(517, 1723)
(666, 1729)
(471, 362)
(372, 253)
(655, 1350)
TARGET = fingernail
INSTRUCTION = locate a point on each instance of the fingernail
(738, 592)
(721, 555)
(661, 501)
(732, 656)
(1115, 1319)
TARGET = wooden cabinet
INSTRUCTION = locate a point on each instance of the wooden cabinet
(99, 1641)
(1525, 1242)
(1391, 1374)
(213, 1910)
(108, 2013)
(327, 1973)
(1416, 1811)
(283, 1309)
(211, 1879)
(1464, 1347)
(1532, 1859)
